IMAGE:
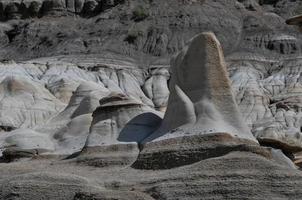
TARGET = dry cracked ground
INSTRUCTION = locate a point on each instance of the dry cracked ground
(85, 86)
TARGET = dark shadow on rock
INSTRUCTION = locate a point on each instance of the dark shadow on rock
(140, 128)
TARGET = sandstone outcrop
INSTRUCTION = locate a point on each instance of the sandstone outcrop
(261, 51)
(269, 102)
(47, 185)
(156, 87)
(119, 124)
(25, 143)
(37, 104)
(90, 76)
(70, 128)
(201, 99)
(201, 107)
(245, 175)
(80, 82)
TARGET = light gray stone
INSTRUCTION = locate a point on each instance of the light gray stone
(201, 99)
(119, 124)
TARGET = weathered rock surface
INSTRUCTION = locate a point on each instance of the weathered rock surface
(20, 9)
(119, 124)
(245, 176)
(46, 85)
(24, 102)
(72, 55)
(201, 111)
(262, 52)
(201, 99)
(59, 186)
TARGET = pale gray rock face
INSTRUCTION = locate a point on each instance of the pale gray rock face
(267, 93)
(111, 117)
(72, 137)
(25, 140)
(156, 87)
(269, 98)
(70, 128)
(201, 99)
(119, 124)
(45, 85)
(25, 102)
(254, 32)
(202, 118)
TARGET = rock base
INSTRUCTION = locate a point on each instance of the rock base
(175, 152)
(113, 155)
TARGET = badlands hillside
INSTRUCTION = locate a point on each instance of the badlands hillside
(150, 100)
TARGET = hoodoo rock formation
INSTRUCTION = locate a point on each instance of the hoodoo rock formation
(201, 99)
(201, 143)
(93, 107)
(201, 110)
(119, 125)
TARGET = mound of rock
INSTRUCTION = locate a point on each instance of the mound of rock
(46, 186)
(70, 128)
(23, 143)
(119, 124)
(201, 104)
(26, 103)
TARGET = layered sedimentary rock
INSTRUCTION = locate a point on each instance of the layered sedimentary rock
(25, 143)
(255, 37)
(70, 54)
(245, 176)
(269, 99)
(201, 111)
(36, 104)
(46, 185)
(195, 163)
(201, 99)
(78, 81)
(70, 128)
(156, 87)
(19, 9)
(119, 124)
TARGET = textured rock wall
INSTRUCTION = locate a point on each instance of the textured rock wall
(19, 9)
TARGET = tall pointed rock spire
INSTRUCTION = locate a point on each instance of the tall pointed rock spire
(201, 99)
